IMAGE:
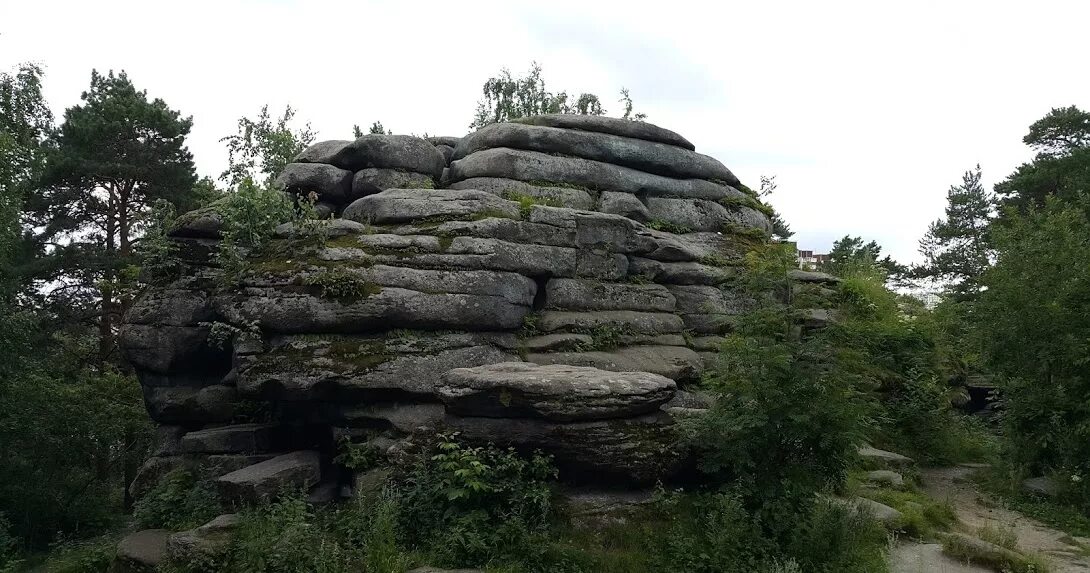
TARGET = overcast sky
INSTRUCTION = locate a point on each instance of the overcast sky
(866, 112)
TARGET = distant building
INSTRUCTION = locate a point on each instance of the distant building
(809, 261)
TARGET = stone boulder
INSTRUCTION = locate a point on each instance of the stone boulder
(383, 151)
(326, 181)
(141, 552)
(555, 392)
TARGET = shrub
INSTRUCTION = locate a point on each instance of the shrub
(715, 533)
(342, 284)
(465, 505)
(88, 556)
(178, 501)
(668, 227)
(250, 216)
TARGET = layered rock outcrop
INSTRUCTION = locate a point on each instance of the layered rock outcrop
(553, 283)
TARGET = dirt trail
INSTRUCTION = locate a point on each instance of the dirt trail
(953, 486)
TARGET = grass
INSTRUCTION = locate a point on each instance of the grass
(923, 517)
(1000, 558)
(668, 227)
(1005, 488)
(342, 285)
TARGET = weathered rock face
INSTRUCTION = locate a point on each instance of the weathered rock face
(545, 284)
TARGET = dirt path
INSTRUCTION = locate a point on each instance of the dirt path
(953, 486)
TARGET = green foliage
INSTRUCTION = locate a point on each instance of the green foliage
(159, 254)
(1061, 167)
(467, 505)
(1032, 322)
(507, 97)
(530, 325)
(250, 216)
(668, 227)
(342, 284)
(626, 100)
(923, 517)
(178, 501)
(713, 533)
(792, 409)
(1063, 131)
(88, 556)
(527, 202)
(68, 436)
(357, 457)
(607, 337)
(263, 147)
(849, 254)
(780, 229)
(286, 536)
(114, 156)
(8, 544)
(995, 557)
(956, 249)
(1003, 483)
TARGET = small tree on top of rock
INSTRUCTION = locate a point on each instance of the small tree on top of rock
(262, 147)
(507, 97)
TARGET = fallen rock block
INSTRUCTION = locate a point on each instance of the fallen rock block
(259, 482)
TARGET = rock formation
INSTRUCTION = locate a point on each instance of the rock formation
(552, 283)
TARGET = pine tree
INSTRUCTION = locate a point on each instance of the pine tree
(116, 154)
(956, 249)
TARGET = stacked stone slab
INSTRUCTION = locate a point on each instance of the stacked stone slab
(554, 283)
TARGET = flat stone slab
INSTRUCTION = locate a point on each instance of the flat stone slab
(885, 477)
(650, 156)
(612, 125)
(408, 205)
(674, 362)
(554, 392)
(882, 457)
(240, 438)
(295, 471)
(534, 166)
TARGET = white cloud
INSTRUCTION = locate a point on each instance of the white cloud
(866, 111)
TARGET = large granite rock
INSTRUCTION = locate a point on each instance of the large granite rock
(383, 151)
(543, 284)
